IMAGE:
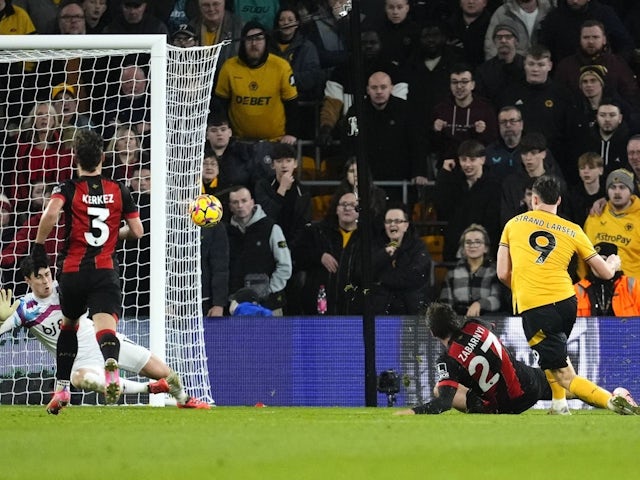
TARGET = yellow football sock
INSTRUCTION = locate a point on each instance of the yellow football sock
(589, 392)
(558, 392)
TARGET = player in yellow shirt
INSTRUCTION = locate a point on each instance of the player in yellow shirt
(257, 90)
(533, 257)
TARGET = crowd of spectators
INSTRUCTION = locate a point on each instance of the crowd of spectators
(467, 102)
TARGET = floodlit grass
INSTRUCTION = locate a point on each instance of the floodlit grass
(140, 443)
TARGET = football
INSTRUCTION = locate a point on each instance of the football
(205, 210)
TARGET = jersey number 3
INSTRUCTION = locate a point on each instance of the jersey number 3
(98, 216)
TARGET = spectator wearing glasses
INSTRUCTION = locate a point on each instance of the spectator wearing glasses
(462, 116)
(525, 16)
(472, 287)
(71, 20)
(505, 67)
(268, 111)
(330, 253)
(466, 194)
(503, 157)
(401, 267)
(184, 37)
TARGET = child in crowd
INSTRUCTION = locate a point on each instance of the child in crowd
(581, 197)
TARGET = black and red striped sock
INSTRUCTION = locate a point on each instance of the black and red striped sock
(108, 343)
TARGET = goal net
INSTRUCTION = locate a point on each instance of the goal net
(150, 102)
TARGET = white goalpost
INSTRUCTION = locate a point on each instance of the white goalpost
(154, 118)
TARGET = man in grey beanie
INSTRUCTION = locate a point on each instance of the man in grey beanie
(524, 16)
(507, 66)
(619, 222)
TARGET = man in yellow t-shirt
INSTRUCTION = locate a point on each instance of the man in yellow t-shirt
(619, 222)
(258, 90)
(533, 256)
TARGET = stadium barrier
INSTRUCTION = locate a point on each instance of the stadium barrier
(319, 361)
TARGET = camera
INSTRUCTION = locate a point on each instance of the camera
(389, 384)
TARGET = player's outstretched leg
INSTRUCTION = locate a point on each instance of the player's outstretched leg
(112, 381)
(60, 399)
(93, 379)
(623, 403)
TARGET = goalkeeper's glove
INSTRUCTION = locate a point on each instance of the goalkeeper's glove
(39, 255)
(6, 307)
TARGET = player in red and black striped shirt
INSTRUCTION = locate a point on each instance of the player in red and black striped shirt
(94, 207)
(477, 374)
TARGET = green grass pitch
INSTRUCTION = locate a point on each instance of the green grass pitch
(122, 443)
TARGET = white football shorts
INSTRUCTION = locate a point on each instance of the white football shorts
(133, 357)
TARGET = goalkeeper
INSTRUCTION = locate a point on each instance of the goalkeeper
(40, 312)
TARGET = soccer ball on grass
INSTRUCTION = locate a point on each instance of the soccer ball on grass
(205, 210)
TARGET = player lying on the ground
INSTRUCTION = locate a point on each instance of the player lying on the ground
(477, 373)
(40, 312)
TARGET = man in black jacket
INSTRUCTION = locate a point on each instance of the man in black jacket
(465, 194)
(392, 142)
